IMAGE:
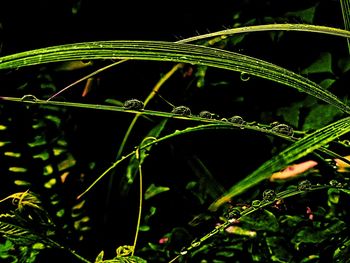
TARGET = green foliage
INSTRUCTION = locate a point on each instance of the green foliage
(80, 177)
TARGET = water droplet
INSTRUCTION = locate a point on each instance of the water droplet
(256, 203)
(206, 114)
(342, 247)
(183, 251)
(283, 129)
(236, 119)
(224, 119)
(244, 76)
(233, 213)
(133, 104)
(182, 110)
(269, 195)
(29, 98)
(335, 183)
(195, 243)
(304, 185)
(273, 124)
(346, 143)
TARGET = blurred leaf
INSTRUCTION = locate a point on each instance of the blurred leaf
(260, 221)
(153, 190)
(291, 221)
(319, 116)
(326, 83)
(306, 15)
(341, 254)
(322, 65)
(344, 64)
(277, 248)
(313, 235)
(291, 114)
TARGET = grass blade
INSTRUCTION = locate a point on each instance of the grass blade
(174, 52)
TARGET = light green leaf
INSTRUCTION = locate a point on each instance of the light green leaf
(154, 190)
(175, 52)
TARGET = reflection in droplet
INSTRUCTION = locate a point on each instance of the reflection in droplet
(273, 124)
(183, 251)
(195, 243)
(29, 98)
(206, 114)
(244, 76)
(133, 104)
(269, 195)
(182, 110)
(335, 183)
(234, 213)
(236, 119)
(283, 129)
(256, 203)
(304, 185)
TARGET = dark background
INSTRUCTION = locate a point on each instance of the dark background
(34, 24)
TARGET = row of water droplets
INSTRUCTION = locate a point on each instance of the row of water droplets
(134, 104)
(269, 196)
(137, 105)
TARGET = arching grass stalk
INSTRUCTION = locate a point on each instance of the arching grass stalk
(173, 52)
(257, 205)
(248, 29)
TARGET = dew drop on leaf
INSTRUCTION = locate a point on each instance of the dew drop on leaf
(133, 104)
(269, 195)
(195, 243)
(256, 203)
(182, 110)
(206, 114)
(183, 251)
(236, 119)
(29, 98)
(335, 183)
(244, 76)
(283, 129)
(304, 185)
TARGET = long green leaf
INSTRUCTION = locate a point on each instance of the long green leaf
(297, 150)
(273, 27)
(175, 52)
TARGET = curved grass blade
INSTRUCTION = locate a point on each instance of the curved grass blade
(173, 52)
(299, 149)
(273, 27)
(345, 8)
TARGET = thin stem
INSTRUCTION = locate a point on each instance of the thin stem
(140, 202)
(86, 77)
